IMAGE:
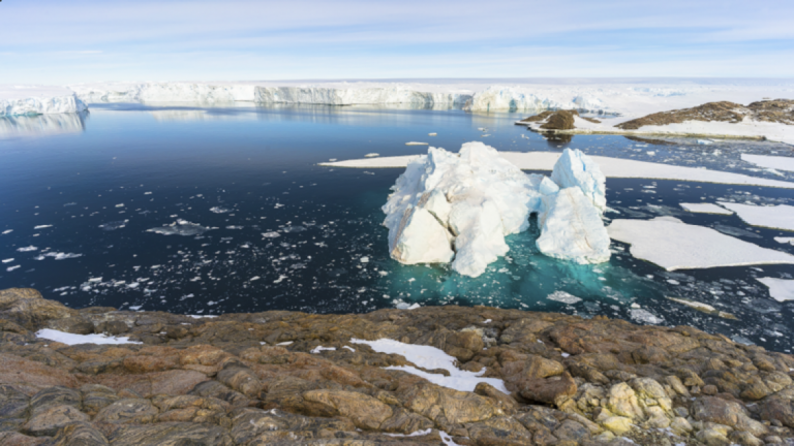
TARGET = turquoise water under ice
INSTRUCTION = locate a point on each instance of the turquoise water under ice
(94, 185)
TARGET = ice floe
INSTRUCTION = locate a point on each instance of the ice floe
(778, 217)
(771, 162)
(610, 167)
(789, 240)
(672, 244)
(700, 306)
(27, 248)
(780, 289)
(181, 227)
(75, 339)
(59, 255)
(705, 208)
(562, 296)
(431, 358)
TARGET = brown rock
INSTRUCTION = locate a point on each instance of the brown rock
(549, 391)
(444, 405)
(366, 412)
(47, 421)
(79, 434)
(20, 371)
(17, 439)
(170, 434)
(718, 410)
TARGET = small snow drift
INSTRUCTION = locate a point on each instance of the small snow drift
(672, 244)
(459, 207)
(431, 358)
(76, 339)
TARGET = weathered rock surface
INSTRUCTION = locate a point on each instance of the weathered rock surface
(225, 381)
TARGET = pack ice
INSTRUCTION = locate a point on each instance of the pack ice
(458, 208)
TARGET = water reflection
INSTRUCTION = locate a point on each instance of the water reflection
(42, 124)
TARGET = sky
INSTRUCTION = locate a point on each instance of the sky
(60, 42)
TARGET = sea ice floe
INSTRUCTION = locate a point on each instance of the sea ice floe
(780, 289)
(7, 260)
(700, 306)
(75, 339)
(181, 227)
(431, 358)
(672, 244)
(271, 234)
(778, 217)
(27, 248)
(113, 225)
(789, 240)
(772, 162)
(564, 297)
(219, 210)
(7, 231)
(416, 143)
(41, 227)
(705, 208)
(11, 268)
(646, 316)
(59, 255)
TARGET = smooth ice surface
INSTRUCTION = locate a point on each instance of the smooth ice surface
(771, 162)
(38, 100)
(474, 197)
(673, 245)
(610, 167)
(571, 228)
(431, 358)
(778, 217)
(780, 289)
(705, 208)
(75, 339)
(575, 169)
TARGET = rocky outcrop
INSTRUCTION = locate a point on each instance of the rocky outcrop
(227, 381)
(778, 110)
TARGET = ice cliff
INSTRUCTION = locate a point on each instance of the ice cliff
(351, 96)
(27, 101)
(458, 208)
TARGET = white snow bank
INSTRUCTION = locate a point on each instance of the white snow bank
(780, 289)
(74, 339)
(705, 208)
(432, 358)
(38, 100)
(673, 245)
(472, 199)
(571, 228)
(610, 167)
(778, 217)
(770, 162)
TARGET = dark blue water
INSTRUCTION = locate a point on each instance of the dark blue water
(95, 185)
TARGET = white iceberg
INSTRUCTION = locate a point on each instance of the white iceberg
(672, 244)
(37, 100)
(575, 169)
(572, 229)
(472, 199)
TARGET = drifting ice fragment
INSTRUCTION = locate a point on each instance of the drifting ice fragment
(181, 227)
(571, 229)
(574, 169)
(780, 289)
(778, 217)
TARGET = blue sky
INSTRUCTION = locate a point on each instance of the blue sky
(57, 42)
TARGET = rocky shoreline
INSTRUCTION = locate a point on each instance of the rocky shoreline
(261, 379)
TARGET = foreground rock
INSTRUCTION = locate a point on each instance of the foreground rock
(251, 379)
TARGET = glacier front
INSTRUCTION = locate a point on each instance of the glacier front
(36, 100)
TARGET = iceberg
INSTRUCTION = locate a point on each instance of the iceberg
(572, 229)
(35, 100)
(469, 200)
(458, 208)
(575, 169)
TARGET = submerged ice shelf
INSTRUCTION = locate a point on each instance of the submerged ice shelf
(461, 206)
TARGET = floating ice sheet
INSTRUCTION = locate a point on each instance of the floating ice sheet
(75, 339)
(771, 162)
(611, 168)
(780, 289)
(705, 208)
(673, 245)
(778, 217)
(431, 358)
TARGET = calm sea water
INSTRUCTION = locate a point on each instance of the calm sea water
(267, 228)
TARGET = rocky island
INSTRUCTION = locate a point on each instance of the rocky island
(279, 378)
